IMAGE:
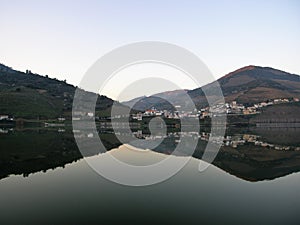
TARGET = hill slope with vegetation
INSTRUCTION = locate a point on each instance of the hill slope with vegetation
(32, 96)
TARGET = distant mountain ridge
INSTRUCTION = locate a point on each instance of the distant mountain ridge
(247, 85)
(156, 100)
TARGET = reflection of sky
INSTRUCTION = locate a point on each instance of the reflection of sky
(77, 193)
(63, 38)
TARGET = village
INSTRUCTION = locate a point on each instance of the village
(232, 108)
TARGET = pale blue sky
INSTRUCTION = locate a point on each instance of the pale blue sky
(63, 38)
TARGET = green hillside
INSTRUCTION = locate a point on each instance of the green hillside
(29, 103)
(32, 96)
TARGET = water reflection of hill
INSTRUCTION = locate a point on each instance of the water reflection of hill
(254, 155)
(287, 136)
(33, 150)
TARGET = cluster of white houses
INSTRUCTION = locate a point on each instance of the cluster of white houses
(233, 108)
(6, 118)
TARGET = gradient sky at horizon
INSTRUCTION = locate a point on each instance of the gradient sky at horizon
(64, 38)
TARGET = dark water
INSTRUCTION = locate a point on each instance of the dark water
(255, 179)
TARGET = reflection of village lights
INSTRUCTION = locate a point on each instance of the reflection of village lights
(232, 141)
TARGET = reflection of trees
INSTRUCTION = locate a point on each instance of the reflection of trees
(40, 150)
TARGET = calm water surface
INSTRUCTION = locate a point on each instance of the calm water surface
(44, 180)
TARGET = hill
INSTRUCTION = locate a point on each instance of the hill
(247, 85)
(157, 100)
(31, 96)
(254, 84)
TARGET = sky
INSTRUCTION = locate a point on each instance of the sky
(63, 39)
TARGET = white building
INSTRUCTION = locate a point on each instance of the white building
(4, 117)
